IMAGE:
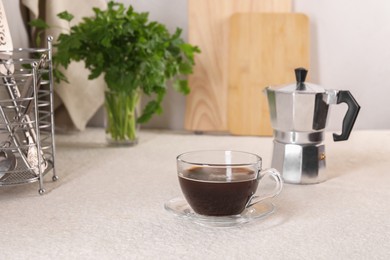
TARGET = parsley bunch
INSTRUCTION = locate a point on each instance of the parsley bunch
(130, 51)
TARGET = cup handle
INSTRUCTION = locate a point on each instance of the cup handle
(278, 186)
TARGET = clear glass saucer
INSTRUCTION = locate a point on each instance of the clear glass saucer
(179, 207)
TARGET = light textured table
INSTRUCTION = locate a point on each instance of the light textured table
(108, 204)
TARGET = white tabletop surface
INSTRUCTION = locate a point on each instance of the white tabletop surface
(108, 204)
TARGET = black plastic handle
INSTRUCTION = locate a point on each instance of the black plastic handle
(300, 75)
(350, 117)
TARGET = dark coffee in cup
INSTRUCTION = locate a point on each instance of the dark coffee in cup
(223, 183)
(213, 191)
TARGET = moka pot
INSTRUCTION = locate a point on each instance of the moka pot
(299, 114)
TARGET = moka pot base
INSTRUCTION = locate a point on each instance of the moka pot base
(300, 157)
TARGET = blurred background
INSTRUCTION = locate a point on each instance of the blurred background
(349, 50)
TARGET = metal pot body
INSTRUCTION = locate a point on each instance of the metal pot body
(299, 114)
(299, 111)
(300, 160)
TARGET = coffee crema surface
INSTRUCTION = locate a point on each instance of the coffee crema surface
(218, 191)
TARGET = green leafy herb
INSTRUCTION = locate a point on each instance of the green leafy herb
(39, 23)
(129, 50)
(66, 16)
(132, 53)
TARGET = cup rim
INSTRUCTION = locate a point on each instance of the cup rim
(258, 158)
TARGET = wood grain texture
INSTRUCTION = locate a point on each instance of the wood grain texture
(206, 105)
(264, 50)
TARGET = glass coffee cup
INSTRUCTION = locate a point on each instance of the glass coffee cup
(223, 183)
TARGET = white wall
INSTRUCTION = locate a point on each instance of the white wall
(350, 50)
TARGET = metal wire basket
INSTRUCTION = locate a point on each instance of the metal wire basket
(27, 148)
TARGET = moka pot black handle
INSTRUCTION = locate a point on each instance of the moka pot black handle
(344, 96)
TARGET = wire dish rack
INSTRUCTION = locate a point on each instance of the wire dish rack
(27, 148)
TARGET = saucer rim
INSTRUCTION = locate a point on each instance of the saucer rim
(219, 221)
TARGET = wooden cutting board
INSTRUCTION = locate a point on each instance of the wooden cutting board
(265, 48)
(207, 104)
